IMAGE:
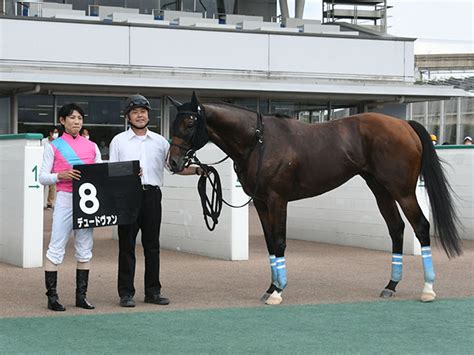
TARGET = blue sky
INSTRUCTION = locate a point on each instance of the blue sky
(440, 26)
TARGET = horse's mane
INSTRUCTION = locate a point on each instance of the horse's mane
(221, 103)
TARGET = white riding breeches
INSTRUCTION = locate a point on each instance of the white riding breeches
(61, 231)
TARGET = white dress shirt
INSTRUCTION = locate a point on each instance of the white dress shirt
(45, 142)
(150, 149)
(46, 177)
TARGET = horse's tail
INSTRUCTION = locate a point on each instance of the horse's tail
(439, 193)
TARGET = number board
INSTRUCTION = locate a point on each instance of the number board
(107, 194)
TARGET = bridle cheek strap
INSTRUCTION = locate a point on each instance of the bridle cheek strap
(189, 156)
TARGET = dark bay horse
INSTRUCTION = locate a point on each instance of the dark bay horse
(291, 160)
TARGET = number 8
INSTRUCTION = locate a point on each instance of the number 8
(88, 197)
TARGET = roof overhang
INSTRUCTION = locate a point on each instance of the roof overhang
(338, 93)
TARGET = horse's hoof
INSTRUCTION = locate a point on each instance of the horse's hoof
(428, 296)
(265, 297)
(274, 298)
(387, 293)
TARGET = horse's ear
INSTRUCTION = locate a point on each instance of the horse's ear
(194, 100)
(176, 103)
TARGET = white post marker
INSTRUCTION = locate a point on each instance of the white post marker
(21, 200)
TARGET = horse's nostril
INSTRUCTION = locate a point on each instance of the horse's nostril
(173, 163)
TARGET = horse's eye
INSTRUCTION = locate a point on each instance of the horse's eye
(190, 124)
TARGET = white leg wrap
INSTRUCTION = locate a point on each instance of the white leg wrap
(428, 294)
(275, 298)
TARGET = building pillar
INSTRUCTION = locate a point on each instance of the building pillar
(299, 8)
(285, 13)
(442, 124)
(14, 113)
(458, 121)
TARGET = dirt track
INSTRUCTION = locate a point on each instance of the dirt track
(317, 273)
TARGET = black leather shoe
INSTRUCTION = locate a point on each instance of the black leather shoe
(157, 299)
(127, 301)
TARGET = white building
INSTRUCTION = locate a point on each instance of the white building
(60, 53)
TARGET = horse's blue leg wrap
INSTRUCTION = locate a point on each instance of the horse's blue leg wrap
(281, 272)
(273, 267)
(397, 267)
(428, 264)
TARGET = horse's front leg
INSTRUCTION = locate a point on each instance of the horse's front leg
(262, 211)
(274, 224)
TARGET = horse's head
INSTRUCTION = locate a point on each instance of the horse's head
(189, 133)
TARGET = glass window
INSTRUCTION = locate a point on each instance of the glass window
(251, 104)
(434, 118)
(4, 115)
(467, 118)
(119, 3)
(81, 4)
(169, 5)
(35, 113)
(155, 114)
(418, 112)
(316, 116)
(263, 106)
(145, 6)
(450, 121)
(207, 7)
(284, 108)
(304, 116)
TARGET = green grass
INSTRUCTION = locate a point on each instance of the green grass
(390, 327)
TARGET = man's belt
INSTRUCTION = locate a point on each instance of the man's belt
(149, 187)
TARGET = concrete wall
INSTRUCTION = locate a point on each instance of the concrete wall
(460, 173)
(21, 202)
(112, 53)
(183, 227)
(349, 215)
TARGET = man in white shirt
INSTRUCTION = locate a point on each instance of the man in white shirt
(151, 149)
(45, 142)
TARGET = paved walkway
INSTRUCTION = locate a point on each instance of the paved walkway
(317, 273)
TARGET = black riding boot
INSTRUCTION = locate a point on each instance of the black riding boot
(51, 281)
(82, 279)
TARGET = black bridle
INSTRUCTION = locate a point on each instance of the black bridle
(198, 137)
(212, 206)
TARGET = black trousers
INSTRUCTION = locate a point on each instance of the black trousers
(149, 222)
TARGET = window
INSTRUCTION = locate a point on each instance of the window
(418, 112)
(434, 117)
(35, 113)
(450, 121)
(284, 108)
(467, 117)
(146, 6)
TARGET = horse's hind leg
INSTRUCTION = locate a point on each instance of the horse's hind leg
(262, 211)
(421, 226)
(389, 210)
